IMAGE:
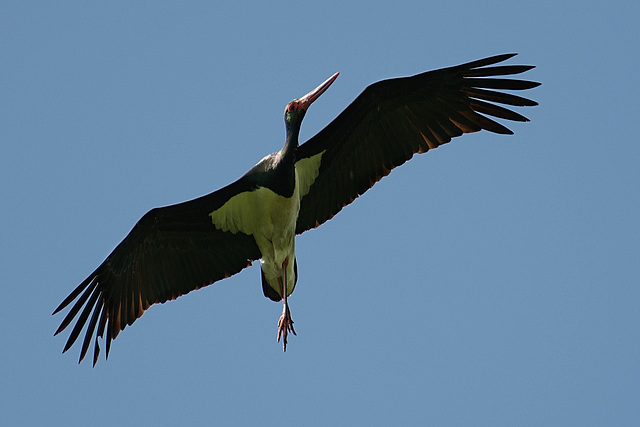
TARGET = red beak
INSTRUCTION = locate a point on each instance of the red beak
(306, 100)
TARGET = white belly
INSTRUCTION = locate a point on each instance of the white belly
(276, 238)
(271, 219)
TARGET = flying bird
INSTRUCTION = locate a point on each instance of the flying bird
(176, 249)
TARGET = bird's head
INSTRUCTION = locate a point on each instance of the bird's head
(296, 109)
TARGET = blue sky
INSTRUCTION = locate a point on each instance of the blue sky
(493, 281)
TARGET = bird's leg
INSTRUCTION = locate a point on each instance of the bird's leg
(285, 324)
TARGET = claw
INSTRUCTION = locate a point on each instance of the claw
(285, 325)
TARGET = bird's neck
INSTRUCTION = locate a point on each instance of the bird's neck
(288, 152)
(282, 179)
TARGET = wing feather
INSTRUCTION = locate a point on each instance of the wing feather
(171, 251)
(394, 119)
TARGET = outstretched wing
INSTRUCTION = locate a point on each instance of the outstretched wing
(394, 119)
(170, 252)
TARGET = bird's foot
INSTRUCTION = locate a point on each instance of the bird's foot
(285, 325)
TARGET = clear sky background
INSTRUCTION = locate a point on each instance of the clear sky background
(493, 281)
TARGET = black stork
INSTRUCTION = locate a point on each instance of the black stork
(176, 249)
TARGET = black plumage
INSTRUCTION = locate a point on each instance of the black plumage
(176, 249)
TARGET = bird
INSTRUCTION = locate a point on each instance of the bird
(176, 249)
